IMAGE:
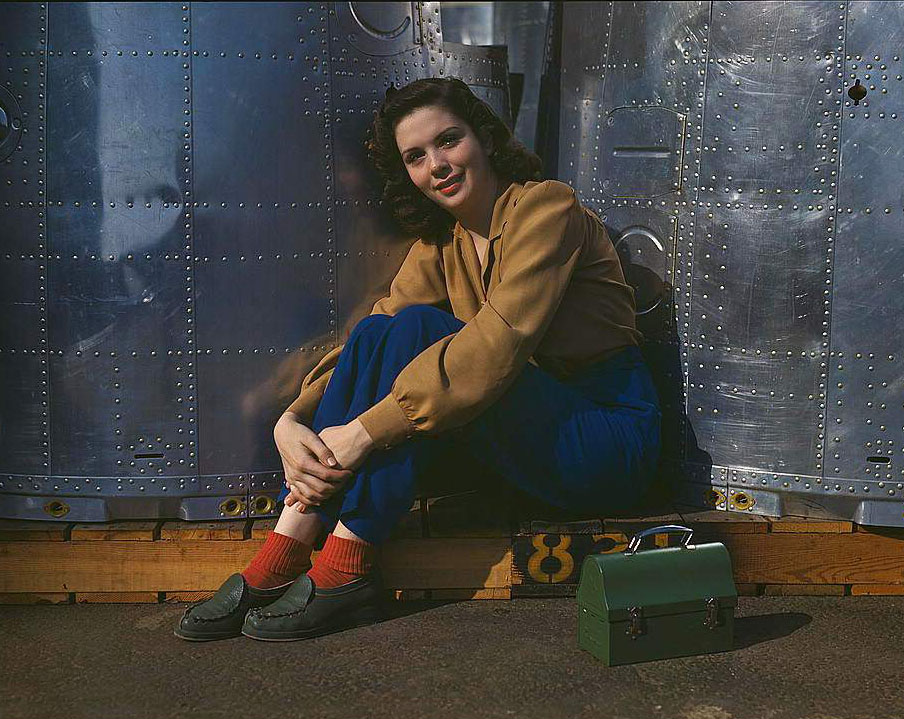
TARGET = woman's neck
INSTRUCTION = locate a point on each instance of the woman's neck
(478, 217)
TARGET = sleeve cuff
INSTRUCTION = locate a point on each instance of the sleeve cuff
(305, 405)
(386, 423)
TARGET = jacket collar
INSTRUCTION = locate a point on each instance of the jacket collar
(501, 211)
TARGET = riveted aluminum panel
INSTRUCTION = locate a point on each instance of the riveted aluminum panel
(485, 70)
(645, 242)
(109, 406)
(370, 258)
(24, 27)
(23, 413)
(115, 131)
(642, 169)
(284, 28)
(241, 394)
(22, 293)
(130, 27)
(22, 153)
(865, 428)
(117, 279)
(522, 26)
(586, 35)
(271, 267)
(758, 340)
(181, 135)
(632, 78)
(770, 272)
(261, 220)
(24, 387)
(20, 304)
(272, 117)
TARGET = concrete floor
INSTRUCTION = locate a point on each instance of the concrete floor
(806, 657)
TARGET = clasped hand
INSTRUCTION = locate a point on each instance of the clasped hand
(317, 466)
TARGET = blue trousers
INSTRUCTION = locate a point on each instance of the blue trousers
(589, 443)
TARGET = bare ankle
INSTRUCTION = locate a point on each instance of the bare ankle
(344, 532)
(302, 526)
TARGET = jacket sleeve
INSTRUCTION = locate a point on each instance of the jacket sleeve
(420, 280)
(456, 378)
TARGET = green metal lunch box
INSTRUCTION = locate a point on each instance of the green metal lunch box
(639, 606)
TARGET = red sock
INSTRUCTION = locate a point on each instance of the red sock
(282, 559)
(341, 561)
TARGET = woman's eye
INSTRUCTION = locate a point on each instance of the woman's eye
(449, 140)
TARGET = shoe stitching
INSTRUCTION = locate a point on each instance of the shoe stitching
(228, 614)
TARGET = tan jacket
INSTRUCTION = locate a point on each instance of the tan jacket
(556, 296)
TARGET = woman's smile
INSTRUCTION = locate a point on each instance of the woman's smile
(452, 185)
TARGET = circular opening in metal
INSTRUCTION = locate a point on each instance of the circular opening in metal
(741, 500)
(230, 506)
(263, 505)
(10, 123)
(639, 251)
(56, 508)
(5, 124)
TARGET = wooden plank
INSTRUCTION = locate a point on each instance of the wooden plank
(629, 526)
(187, 596)
(409, 595)
(712, 521)
(877, 590)
(803, 590)
(117, 598)
(808, 525)
(116, 531)
(470, 514)
(411, 525)
(794, 558)
(749, 590)
(261, 528)
(113, 566)
(568, 589)
(468, 594)
(542, 526)
(24, 530)
(228, 529)
(556, 558)
(35, 598)
(447, 563)
(178, 566)
(897, 532)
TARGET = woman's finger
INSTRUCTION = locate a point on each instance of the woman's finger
(299, 504)
(316, 446)
(309, 484)
(311, 465)
(306, 494)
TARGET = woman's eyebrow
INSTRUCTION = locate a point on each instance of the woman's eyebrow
(438, 135)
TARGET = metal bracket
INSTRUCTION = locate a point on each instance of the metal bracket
(636, 626)
(712, 614)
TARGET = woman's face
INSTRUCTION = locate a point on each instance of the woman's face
(445, 159)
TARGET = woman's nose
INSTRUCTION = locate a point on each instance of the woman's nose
(439, 167)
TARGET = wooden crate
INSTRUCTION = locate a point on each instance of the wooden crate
(441, 551)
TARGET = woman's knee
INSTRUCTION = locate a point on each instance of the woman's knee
(372, 324)
(418, 317)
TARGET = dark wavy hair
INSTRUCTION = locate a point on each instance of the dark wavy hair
(416, 214)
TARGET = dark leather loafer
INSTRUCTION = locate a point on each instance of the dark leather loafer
(306, 611)
(221, 616)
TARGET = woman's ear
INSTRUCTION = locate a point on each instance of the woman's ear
(486, 140)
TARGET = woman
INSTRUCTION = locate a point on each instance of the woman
(508, 334)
